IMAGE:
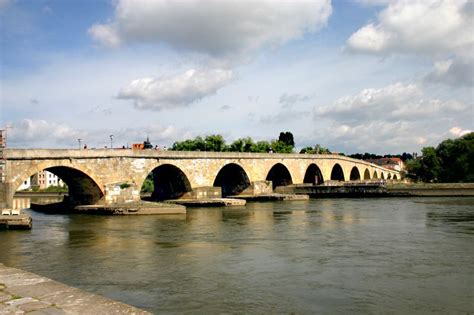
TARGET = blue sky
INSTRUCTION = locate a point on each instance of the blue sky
(355, 76)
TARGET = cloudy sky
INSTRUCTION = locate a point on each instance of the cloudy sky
(355, 76)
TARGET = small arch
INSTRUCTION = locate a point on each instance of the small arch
(366, 174)
(232, 179)
(313, 175)
(375, 176)
(389, 176)
(395, 176)
(169, 182)
(382, 175)
(279, 176)
(355, 175)
(337, 173)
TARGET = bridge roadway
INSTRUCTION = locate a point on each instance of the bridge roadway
(104, 176)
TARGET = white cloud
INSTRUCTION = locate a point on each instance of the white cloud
(28, 131)
(394, 102)
(105, 35)
(288, 100)
(398, 117)
(213, 27)
(455, 72)
(42, 133)
(175, 91)
(426, 26)
(459, 132)
(437, 29)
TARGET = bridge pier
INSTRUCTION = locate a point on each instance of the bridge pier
(6, 195)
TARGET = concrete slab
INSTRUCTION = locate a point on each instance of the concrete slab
(25, 292)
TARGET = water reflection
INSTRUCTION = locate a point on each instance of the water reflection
(317, 256)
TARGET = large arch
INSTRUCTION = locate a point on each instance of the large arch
(366, 174)
(82, 189)
(355, 174)
(395, 176)
(279, 176)
(313, 175)
(169, 182)
(232, 179)
(337, 173)
(375, 176)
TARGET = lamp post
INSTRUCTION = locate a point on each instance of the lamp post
(79, 140)
(111, 141)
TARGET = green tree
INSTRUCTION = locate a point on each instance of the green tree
(430, 165)
(148, 185)
(214, 143)
(318, 149)
(287, 138)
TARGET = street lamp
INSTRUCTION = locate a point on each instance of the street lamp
(79, 140)
(111, 141)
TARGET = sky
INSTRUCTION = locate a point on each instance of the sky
(374, 76)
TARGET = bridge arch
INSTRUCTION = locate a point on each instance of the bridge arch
(355, 174)
(389, 176)
(337, 173)
(382, 175)
(169, 182)
(279, 176)
(313, 175)
(366, 174)
(375, 176)
(232, 179)
(83, 188)
(395, 176)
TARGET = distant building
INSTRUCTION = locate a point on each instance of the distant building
(25, 185)
(392, 163)
(45, 179)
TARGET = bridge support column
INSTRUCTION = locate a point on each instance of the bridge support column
(203, 193)
(120, 192)
(258, 188)
(6, 195)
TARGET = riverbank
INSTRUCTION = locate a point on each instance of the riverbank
(25, 292)
(430, 189)
(365, 190)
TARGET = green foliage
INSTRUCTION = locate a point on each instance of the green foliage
(287, 139)
(370, 156)
(217, 143)
(281, 147)
(53, 189)
(148, 185)
(124, 185)
(316, 150)
(452, 161)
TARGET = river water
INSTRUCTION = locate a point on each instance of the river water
(394, 255)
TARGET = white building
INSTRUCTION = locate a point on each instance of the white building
(45, 179)
(25, 185)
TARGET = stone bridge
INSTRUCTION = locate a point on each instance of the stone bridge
(103, 176)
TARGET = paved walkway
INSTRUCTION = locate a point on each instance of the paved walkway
(23, 292)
